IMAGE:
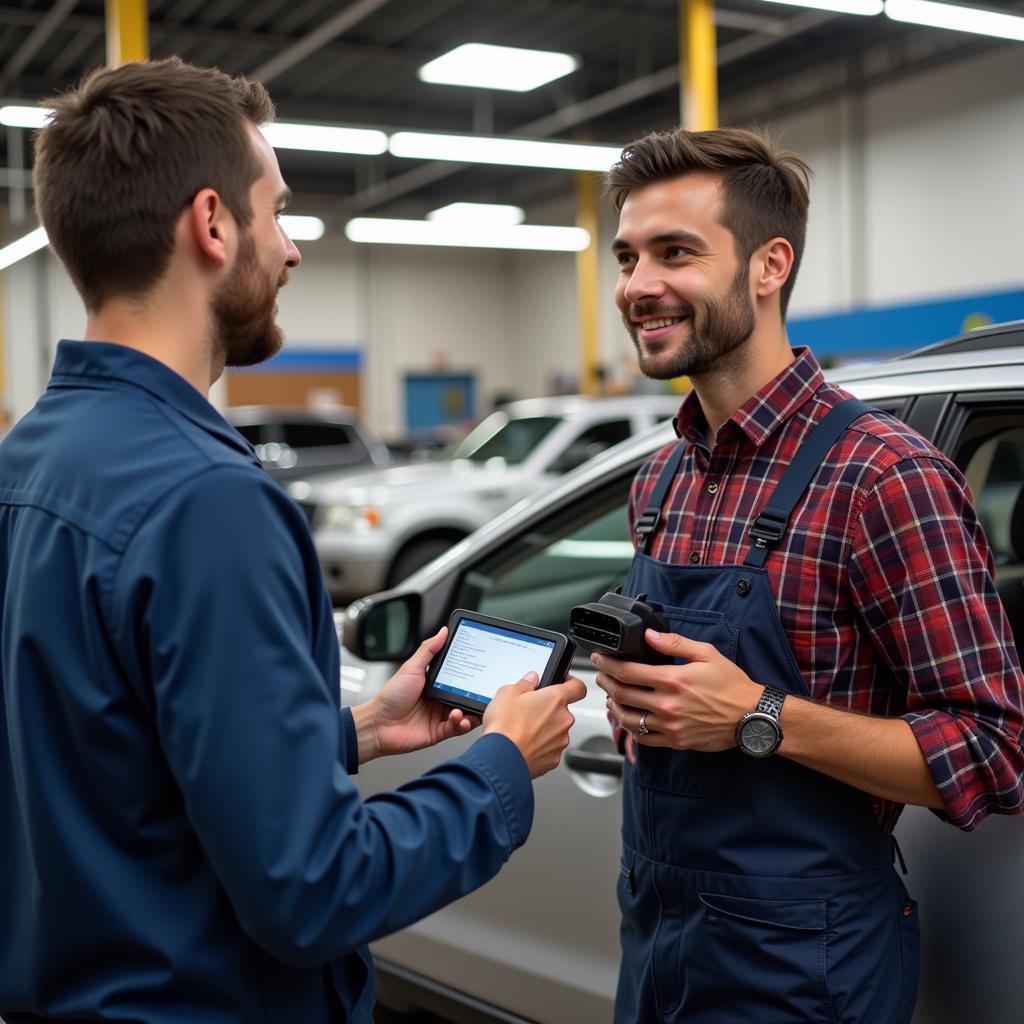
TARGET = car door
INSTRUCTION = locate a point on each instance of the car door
(541, 940)
(970, 886)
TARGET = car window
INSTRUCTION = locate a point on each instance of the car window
(572, 559)
(317, 435)
(995, 473)
(252, 432)
(604, 435)
(513, 441)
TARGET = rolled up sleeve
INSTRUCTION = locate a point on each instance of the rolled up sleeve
(923, 579)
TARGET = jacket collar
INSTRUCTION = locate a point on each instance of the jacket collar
(78, 362)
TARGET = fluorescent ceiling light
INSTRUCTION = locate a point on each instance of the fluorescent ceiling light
(491, 214)
(302, 229)
(837, 6)
(960, 19)
(389, 231)
(22, 247)
(477, 149)
(325, 138)
(498, 67)
(24, 117)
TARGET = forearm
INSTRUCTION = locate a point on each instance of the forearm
(880, 756)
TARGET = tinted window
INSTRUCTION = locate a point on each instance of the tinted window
(513, 441)
(317, 435)
(252, 433)
(604, 435)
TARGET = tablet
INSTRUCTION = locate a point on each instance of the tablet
(483, 653)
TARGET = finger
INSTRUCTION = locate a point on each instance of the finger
(634, 672)
(574, 689)
(421, 656)
(677, 646)
(642, 697)
(529, 681)
(629, 718)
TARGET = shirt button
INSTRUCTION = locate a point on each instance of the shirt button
(694, 557)
(712, 487)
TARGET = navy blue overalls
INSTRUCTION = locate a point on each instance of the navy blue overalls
(753, 891)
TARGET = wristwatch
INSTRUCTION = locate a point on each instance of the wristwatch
(759, 732)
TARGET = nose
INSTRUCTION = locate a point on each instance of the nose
(292, 256)
(644, 283)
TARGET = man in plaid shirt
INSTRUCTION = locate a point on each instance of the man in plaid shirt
(837, 644)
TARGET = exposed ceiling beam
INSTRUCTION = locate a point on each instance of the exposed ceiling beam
(579, 113)
(37, 38)
(330, 29)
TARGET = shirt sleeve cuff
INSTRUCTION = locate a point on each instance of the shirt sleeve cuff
(348, 727)
(500, 762)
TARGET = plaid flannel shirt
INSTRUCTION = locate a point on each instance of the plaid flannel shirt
(884, 579)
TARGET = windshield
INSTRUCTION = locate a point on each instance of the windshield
(500, 437)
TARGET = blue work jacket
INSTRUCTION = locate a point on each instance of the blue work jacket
(181, 838)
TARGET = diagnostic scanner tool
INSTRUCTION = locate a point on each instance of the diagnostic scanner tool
(615, 625)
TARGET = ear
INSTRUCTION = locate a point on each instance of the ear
(773, 263)
(211, 224)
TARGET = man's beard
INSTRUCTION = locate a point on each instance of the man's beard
(717, 331)
(244, 329)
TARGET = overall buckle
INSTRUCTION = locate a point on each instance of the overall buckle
(768, 528)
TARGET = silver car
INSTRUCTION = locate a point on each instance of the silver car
(374, 529)
(540, 942)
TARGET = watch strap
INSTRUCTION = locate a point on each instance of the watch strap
(771, 702)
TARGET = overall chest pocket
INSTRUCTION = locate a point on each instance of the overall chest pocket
(691, 772)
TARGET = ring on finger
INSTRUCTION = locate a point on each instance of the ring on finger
(642, 729)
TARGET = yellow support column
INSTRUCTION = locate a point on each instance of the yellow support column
(127, 31)
(586, 282)
(698, 88)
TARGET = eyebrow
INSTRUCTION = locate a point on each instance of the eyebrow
(685, 237)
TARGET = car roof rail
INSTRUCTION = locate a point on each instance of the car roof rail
(1008, 335)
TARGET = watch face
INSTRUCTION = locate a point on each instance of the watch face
(759, 735)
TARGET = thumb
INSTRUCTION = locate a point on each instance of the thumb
(528, 682)
(421, 657)
(677, 646)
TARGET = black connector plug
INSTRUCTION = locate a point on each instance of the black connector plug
(615, 625)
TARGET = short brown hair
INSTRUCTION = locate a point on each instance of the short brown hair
(125, 152)
(765, 188)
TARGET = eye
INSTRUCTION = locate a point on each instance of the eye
(624, 259)
(677, 252)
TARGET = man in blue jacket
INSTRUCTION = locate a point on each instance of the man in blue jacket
(181, 839)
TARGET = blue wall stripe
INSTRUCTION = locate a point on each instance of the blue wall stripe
(893, 329)
(309, 360)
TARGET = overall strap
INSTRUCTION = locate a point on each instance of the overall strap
(647, 522)
(770, 523)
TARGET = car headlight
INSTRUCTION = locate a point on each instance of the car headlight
(357, 518)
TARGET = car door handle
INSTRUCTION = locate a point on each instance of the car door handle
(598, 763)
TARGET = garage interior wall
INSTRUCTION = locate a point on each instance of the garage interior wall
(916, 196)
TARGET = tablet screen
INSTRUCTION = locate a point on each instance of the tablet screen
(482, 658)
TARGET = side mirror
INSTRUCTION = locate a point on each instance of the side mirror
(384, 627)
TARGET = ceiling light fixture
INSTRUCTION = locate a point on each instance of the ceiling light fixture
(498, 67)
(301, 229)
(865, 7)
(478, 149)
(537, 237)
(16, 116)
(491, 214)
(957, 18)
(325, 138)
(22, 247)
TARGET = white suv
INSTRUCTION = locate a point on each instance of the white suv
(376, 528)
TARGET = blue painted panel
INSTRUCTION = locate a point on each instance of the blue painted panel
(435, 400)
(894, 329)
(310, 360)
